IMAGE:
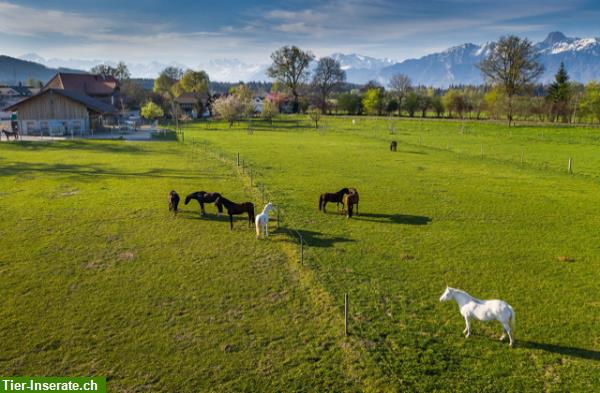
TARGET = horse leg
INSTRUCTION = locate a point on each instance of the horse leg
(467, 331)
(202, 212)
(325, 206)
(257, 230)
(508, 331)
(231, 222)
(267, 229)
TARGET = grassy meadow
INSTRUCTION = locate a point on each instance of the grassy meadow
(98, 278)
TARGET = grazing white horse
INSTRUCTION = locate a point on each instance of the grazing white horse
(484, 310)
(262, 221)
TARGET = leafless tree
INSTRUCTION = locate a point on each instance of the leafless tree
(401, 85)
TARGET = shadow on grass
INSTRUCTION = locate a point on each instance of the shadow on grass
(561, 350)
(316, 239)
(393, 218)
(101, 146)
(94, 170)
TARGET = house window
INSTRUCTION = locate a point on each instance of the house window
(30, 125)
(44, 126)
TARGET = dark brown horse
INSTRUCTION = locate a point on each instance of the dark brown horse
(393, 146)
(8, 134)
(173, 201)
(204, 197)
(337, 197)
(235, 209)
(350, 200)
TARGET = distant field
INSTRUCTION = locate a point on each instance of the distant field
(435, 214)
(98, 278)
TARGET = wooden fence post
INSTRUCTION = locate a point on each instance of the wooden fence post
(238, 159)
(345, 314)
(570, 165)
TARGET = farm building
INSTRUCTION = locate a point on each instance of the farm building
(56, 111)
(100, 87)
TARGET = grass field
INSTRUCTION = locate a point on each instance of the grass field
(99, 279)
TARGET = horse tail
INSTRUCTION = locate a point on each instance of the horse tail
(320, 202)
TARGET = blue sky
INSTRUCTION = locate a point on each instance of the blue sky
(193, 32)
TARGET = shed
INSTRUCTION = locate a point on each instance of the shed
(60, 111)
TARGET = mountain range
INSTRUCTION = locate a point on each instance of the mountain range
(454, 66)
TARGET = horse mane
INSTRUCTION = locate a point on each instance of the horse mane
(344, 190)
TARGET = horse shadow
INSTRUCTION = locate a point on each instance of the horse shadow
(581, 353)
(393, 218)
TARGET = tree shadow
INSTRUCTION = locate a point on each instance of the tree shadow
(561, 350)
(316, 239)
(393, 218)
(90, 171)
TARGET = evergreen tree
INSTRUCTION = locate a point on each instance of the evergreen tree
(559, 94)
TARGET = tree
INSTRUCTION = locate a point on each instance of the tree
(120, 72)
(132, 94)
(269, 110)
(412, 103)
(166, 79)
(151, 111)
(437, 105)
(229, 108)
(400, 84)
(590, 101)
(315, 115)
(290, 67)
(244, 95)
(373, 101)
(559, 94)
(349, 103)
(454, 101)
(195, 82)
(512, 65)
(328, 77)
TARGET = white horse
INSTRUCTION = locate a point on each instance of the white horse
(262, 221)
(484, 310)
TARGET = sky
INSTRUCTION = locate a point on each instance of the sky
(193, 32)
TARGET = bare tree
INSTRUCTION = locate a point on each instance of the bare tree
(290, 67)
(401, 85)
(512, 65)
(328, 77)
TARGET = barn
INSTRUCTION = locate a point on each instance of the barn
(57, 111)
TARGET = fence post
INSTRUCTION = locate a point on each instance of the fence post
(522, 157)
(301, 249)
(345, 314)
(238, 159)
(570, 165)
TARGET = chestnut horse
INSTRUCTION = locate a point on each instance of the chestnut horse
(337, 197)
(173, 201)
(204, 197)
(350, 200)
(235, 209)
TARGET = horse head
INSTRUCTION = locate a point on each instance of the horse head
(188, 198)
(344, 190)
(447, 295)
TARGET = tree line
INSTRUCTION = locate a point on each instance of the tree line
(511, 92)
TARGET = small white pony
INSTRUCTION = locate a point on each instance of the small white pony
(484, 310)
(262, 221)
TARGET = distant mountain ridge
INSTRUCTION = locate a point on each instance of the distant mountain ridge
(13, 71)
(454, 66)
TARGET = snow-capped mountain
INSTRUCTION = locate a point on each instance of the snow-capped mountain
(359, 68)
(234, 70)
(457, 65)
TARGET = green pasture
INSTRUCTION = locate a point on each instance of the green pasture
(98, 278)
(431, 216)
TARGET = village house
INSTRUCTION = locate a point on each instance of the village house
(69, 104)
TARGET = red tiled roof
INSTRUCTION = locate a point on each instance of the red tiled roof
(84, 83)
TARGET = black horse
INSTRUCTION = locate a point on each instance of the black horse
(235, 209)
(173, 201)
(8, 134)
(204, 197)
(350, 200)
(337, 197)
(393, 146)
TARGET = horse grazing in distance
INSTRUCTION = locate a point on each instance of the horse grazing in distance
(8, 134)
(262, 221)
(350, 200)
(235, 209)
(337, 197)
(173, 201)
(204, 197)
(393, 146)
(483, 310)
